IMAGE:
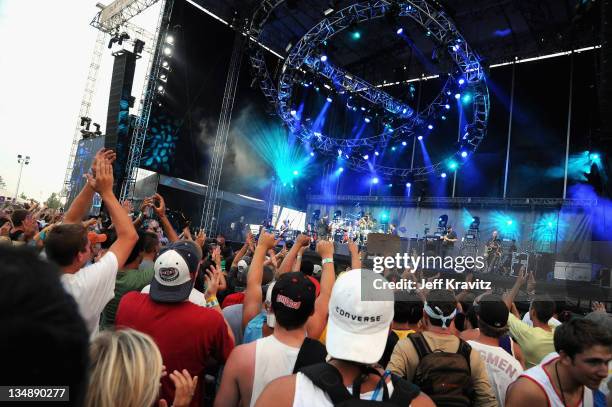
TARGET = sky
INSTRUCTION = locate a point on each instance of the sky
(46, 52)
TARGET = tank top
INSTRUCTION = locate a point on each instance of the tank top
(502, 368)
(538, 375)
(308, 395)
(273, 359)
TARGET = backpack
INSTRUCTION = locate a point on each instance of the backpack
(445, 377)
(328, 378)
(311, 352)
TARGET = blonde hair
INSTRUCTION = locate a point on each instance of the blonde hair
(125, 370)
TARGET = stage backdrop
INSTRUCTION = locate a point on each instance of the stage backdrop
(566, 233)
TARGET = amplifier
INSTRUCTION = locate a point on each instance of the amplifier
(572, 271)
(519, 259)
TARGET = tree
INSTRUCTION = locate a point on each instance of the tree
(53, 202)
(23, 196)
(2, 183)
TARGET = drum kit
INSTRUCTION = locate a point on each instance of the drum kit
(352, 228)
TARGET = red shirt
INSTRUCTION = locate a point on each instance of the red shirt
(186, 334)
(232, 299)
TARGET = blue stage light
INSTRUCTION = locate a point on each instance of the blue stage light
(323, 58)
(367, 119)
(399, 31)
(296, 172)
(404, 143)
(293, 113)
(339, 152)
(420, 138)
(430, 126)
(447, 106)
(509, 222)
(311, 154)
(375, 180)
(443, 117)
(457, 96)
(341, 169)
(329, 99)
(363, 109)
(464, 154)
(376, 153)
(461, 81)
(443, 175)
(452, 165)
(404, 111)
(356, 35)
(390, 185)
(365, 157)
(408, 184)
(467, 98)
(393, 148)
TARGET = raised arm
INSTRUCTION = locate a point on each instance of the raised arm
(355, 256)
(160, 210)
(317, 322)
(252, 294)
(82, 203)
(102, 183)
(287, 264)
(520, 280)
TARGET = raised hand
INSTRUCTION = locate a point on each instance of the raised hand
(200, 238)
(303, 240)
(160, 207)
(598, 307)
(102, 181)
(266, 240)
(102, 155)
(216, 256)
(184, 386)
(212, 279)
(325, 249)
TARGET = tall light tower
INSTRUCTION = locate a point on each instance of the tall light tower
(21, 161)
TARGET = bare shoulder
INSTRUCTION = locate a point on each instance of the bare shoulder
(278, 393)
(242, 356)
(422, 400)
(525, 390)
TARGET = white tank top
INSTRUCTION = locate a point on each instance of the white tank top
(502, 368)
(308, 395)
(539, 375)
(273, 359)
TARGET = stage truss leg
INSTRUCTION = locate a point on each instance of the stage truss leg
(90, 88)
(208, 221)
(148, 94)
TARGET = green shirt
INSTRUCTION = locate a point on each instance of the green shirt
(127, 280)
(535, 342)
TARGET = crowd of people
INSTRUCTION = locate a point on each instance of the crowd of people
(127, 311)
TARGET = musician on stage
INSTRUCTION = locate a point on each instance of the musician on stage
(393, 229)
(448, 241)
(284, 228)
(493, 252)
(323, 228)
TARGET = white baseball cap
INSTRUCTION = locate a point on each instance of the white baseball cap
(357, 330)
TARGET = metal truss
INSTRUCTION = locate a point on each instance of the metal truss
(114, 16)
(305, 56)
(208, 220)
(463, 201)
(356, 86)
(90, 87)
(148, 94)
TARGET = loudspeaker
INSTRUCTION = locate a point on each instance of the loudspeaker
(544, 264)
(118, 114)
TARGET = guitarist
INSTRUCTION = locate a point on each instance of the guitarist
(493, 252)
(448, 241)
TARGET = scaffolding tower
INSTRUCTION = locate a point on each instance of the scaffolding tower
(208, 220)
(90, 87)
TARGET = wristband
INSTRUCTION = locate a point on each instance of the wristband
(326, 261)
(212, 302)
